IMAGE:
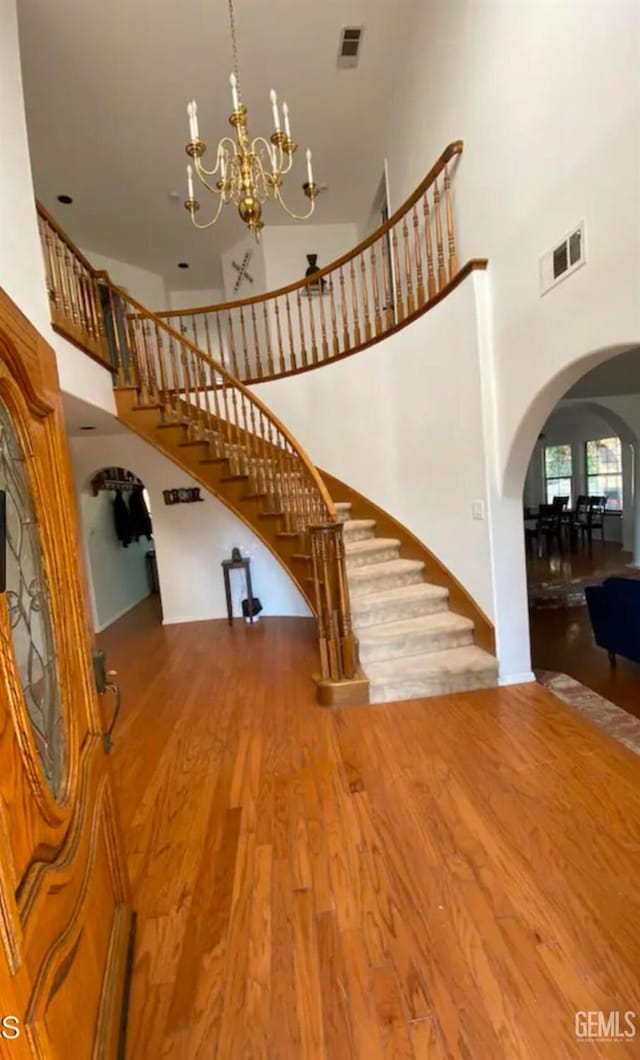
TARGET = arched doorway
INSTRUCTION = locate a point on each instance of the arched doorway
(579, 441)
(117, 530)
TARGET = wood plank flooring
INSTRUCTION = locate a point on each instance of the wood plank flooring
(452, 877)
(562, 638)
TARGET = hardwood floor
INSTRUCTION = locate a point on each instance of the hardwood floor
(452, 877)
(562, 638)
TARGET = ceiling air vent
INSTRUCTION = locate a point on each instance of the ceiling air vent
(349, 50)
(565, 258)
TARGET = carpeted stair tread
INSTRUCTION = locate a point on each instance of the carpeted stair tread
(393, 605)
(358, 529)
(390, 574)
(343, 510)
(441, 620)
(370, 550)
(435, 674)
(414, 637)
(419, 590)
(469, 659)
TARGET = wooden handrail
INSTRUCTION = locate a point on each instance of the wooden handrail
(450, 152)
(394, 274)
(218, 369)
(51, 221)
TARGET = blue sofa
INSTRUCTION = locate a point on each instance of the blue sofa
(614, 610)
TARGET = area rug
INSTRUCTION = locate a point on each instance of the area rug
(612, 719)
(569, 592)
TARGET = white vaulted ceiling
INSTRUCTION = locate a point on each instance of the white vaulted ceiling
(106, 86)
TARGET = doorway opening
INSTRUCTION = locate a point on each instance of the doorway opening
(117, 530)
(581, 509)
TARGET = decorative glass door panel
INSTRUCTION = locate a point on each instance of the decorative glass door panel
(29, 604)
(64, 911)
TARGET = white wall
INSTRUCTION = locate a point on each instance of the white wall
(286, 248)
(191, 299)
(402, 423)
(21, 266)
(147, 287)
(118, 576)
(191, 540)
(547, 99)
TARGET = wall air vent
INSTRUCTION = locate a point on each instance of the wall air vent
(564, 259)
(349, 50)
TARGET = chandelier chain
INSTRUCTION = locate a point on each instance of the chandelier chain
(234, 42)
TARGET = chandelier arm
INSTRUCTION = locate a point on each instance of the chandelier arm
(271, 151)
(294, 216)
(209, 224)
(215, 191)
(200, 169)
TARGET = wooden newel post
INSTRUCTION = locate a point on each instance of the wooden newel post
(338, 645)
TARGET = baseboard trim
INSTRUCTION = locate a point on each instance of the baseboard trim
(120, 614)
(525, 678)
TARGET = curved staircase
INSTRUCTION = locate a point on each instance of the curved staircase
(411, 644)
(385, 627)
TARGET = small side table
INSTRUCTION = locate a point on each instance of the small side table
(240, 564)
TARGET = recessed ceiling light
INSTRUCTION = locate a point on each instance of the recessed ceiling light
(183, 264)
(87, 428)
(66, 199)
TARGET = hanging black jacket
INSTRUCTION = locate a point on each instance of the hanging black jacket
(122, 520)
(140, 518)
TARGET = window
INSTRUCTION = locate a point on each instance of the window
(557, 472)
(604, 471)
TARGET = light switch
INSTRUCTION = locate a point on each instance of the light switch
(477, 509)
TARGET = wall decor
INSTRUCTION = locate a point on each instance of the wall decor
(242, 271)
(316, 286)
(187, 495)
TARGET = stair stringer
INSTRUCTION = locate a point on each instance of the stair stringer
(168, 439)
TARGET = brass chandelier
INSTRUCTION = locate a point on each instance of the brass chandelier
(248, 171)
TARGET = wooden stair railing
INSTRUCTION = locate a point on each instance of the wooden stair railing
(74, 290)
(394, 275)
(190, 391)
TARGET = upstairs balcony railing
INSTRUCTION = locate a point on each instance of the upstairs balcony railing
(76, 298)
(398, 272)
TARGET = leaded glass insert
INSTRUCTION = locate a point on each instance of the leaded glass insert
(29, 605)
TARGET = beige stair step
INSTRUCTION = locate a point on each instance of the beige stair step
(434, 674)
(358, 529)
(392, 605)
(377, 577)
(415, 636)
(371, 550)
(343, 510)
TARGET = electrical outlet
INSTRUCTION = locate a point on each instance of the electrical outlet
(477, 509)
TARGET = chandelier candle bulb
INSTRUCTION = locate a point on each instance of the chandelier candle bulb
(233, 81)
(287, 127)
(274, 107)
(309, 171)
(190, 182)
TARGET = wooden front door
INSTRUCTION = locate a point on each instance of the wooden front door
(64, 911)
